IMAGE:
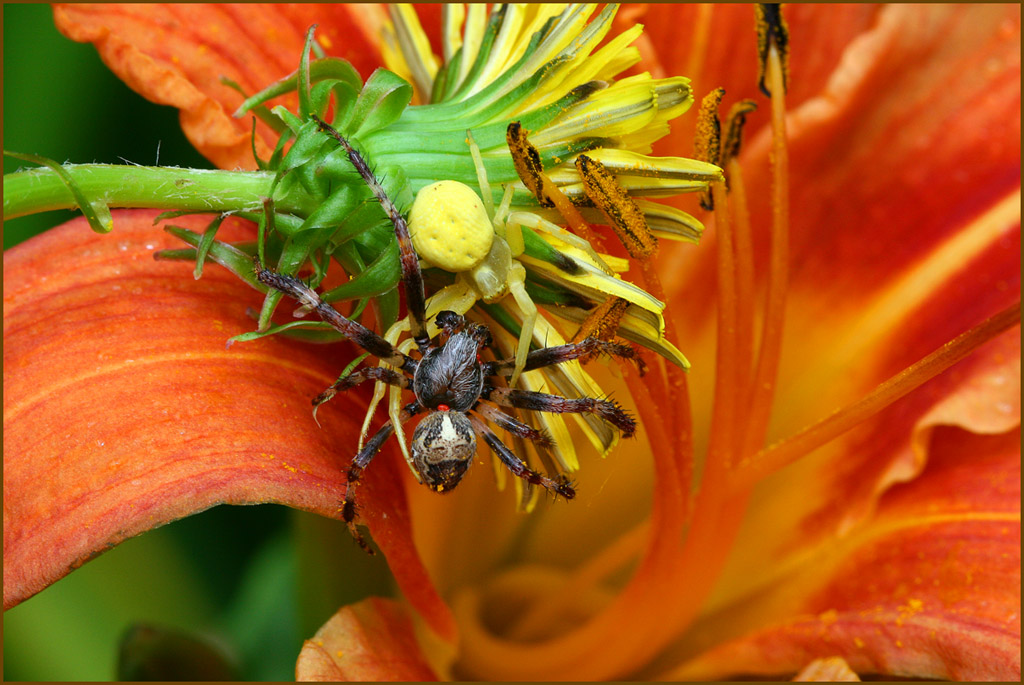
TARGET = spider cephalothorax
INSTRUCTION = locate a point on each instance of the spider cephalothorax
(448, 379)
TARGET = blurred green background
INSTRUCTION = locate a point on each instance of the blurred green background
(250, 583)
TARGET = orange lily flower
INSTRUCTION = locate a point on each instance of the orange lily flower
(819, 497)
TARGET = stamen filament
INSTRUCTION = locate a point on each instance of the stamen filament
(745, 312)
(787, 451)
(722, 444)
(778, 269)
(699, 42)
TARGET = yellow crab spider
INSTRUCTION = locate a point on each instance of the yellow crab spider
(454, 229)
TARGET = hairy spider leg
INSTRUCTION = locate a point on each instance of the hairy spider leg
(353, 330)
(513, 425)
(558, 354)
(376, 373)
(540, 401)
(415, 297)
(559, 486)
(359, 464)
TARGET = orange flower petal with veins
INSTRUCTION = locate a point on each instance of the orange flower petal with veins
(365, 642)
(175, 54)
(123, 410)
(930, 588)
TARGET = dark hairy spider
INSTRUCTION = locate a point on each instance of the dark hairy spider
(449, 380)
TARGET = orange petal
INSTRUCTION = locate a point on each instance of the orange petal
(806, 507)
(914, 136)
(176, 54)
(906, 232)
(123, 410)
(930, 589)
(369, 641)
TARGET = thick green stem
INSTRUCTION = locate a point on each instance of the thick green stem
(40, 190)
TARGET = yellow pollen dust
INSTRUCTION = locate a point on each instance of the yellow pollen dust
(449, 226)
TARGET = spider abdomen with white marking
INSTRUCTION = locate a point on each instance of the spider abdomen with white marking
(443, 447)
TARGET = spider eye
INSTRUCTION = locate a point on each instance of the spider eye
(443, 447)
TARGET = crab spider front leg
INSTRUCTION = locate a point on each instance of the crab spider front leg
(517, 286)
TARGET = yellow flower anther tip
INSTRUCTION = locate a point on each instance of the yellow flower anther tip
(450, 227)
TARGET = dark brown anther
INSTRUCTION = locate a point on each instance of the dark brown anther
(734, 130)
(623, 214)
(771, 31)
(707, 143)
(527, 162)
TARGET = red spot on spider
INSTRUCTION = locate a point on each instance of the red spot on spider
(442, 407)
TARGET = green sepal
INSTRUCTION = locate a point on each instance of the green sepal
(261, 227)
(379, 277)
(262, 165)
(203, 249)
(372, 242)
(185, 254)
(278, 154)
(175, 213)
(327, 68)
(247, 247)
(286, 224)
(345, 97)
(96, 211)
(381, 102)
(305, 105)
(348, 256)
(270, 303)
(386, 308)
(293, 122)
(308, 146)
(322, 222)
(318, 326)
(294, 255)
(230, 257)
(320, 96)
(313, 335)
(261, 111)
(336, 166)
